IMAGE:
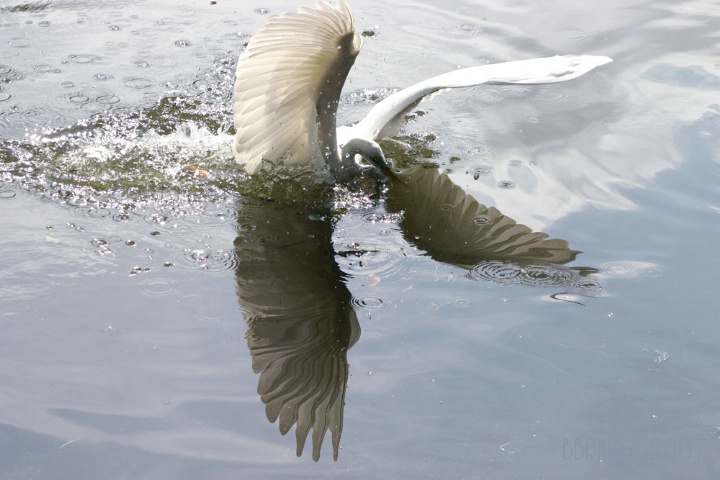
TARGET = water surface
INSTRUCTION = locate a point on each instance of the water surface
(133, 265)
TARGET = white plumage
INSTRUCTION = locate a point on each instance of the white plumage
(289, 80)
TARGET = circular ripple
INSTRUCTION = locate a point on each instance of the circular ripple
(462, 30)
(509, 273)
(547, 276)
(573, 33)
(179, 229)
(137, 83)
(588, 287)
(216, 216)
(496, 271)
(369, 302)
(629, 269)
(19, 42)
(158, 287)
(6, 194)
(84, 58)
(207, 259)
(482, 171)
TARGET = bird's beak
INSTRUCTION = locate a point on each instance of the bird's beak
(381, 164)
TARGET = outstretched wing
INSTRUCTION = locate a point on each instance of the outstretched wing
(287, 87)
(382, 120)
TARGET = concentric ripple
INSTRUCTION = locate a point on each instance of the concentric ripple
(629, 269)
(369, 302)
(541, 276)
(158, 287)
(206, 259)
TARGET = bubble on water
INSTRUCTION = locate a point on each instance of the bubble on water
(481, 220)
(137, 269)
(182, 43)
(262, 11)
(102, 247)
(374, 217)
(506, 184)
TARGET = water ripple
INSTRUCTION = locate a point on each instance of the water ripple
(158, 287)
(207, 259)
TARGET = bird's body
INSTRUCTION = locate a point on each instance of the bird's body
(291, 74)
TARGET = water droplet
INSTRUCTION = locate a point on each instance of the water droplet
(506, 184)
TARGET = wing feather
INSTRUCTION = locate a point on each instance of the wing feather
(386, 117)
(287, 87)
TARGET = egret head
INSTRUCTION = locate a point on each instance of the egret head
(370, 151)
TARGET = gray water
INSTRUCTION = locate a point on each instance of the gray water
(132, 265)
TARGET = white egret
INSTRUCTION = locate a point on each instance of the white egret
(288, 84)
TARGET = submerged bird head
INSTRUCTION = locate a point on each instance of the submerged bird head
(371, 152)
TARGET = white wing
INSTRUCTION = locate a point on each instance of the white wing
(382, 120)
(287, 87)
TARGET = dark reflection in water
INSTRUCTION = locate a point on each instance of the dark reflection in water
(300, 319)
(300, 314)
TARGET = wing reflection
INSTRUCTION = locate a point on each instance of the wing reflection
(298, 309)
(300, 319)
(453, 227)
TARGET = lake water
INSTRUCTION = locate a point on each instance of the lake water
(135, 272)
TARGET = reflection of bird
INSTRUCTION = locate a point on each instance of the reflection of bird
(453, 227)
(299, 313)
(289, 80)
(300, 319)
